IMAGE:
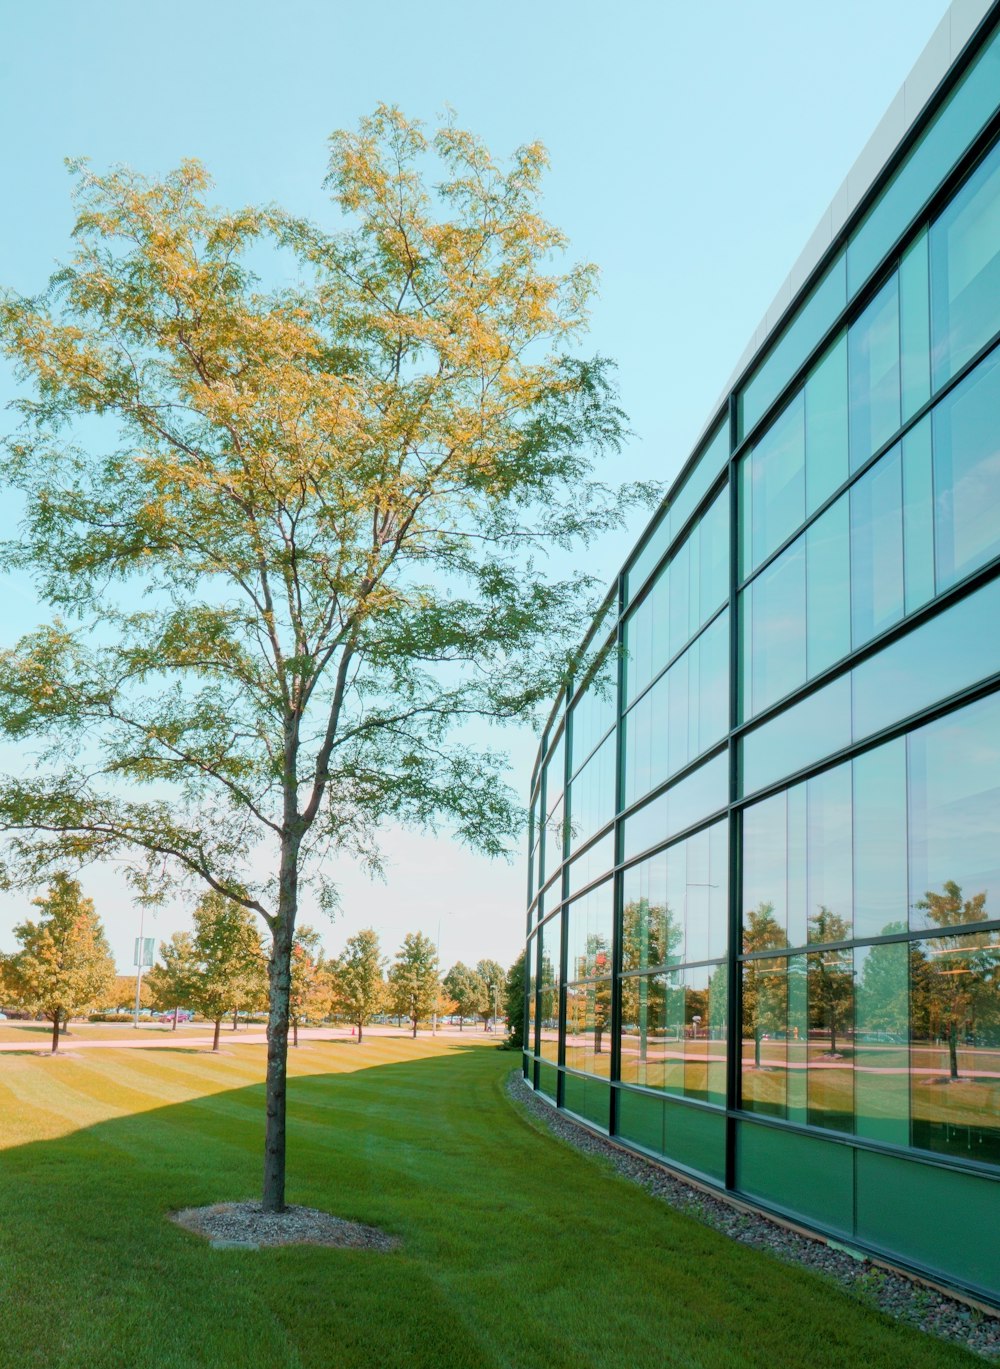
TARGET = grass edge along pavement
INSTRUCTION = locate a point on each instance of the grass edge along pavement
(516, 1253)
(881, 1287)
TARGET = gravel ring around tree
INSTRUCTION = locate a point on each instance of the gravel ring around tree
(885, 1290)
(247, 1226)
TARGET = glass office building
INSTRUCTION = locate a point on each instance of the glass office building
(763, 936)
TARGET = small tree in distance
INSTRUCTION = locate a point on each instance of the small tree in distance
(493, 979)
(64, 966)
(228, 962)
(356, 980)
(466, 988)
(413, 978)
(172, 981)
(308, 978)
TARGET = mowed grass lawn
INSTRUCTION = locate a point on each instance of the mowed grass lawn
(517, 1251)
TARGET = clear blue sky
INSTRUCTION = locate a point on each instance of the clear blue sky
(693, 147)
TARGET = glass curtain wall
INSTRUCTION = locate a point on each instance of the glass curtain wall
(764, 852)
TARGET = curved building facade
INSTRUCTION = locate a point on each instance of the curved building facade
(763, 937)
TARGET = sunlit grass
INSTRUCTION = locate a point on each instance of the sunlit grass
(516, 1251)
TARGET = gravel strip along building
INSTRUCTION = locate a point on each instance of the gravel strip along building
(764, 895)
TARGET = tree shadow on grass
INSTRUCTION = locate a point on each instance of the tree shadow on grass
(516, 1252)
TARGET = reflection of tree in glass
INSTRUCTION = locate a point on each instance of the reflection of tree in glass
(956, 988)
(548, 984)
(598, 962)
(650, 935)
(765, 982)
(883, 1000)
(831, 976)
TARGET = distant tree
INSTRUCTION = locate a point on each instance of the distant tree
(958, 980)
(413, 979)
(123, 992)
(64, 966)
(765, 982)
(171, 982)
(229, 966)
(309, 985)
(514, 1003)
(830, 976)
(493, 978)
(356, 980)
(466, 988)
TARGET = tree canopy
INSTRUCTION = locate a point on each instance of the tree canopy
(317, 534)
(413, 978)
(357, 980)
(65, 965)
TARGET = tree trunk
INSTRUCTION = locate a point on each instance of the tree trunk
(295, 1031)
(756, 1048)
(359, 1033)
(174, 1027)
(461, 1022)
(236, 1018)
(953, 1050)
(280, 985)
(55, 1033)
(218, 1029)
(414, 1027)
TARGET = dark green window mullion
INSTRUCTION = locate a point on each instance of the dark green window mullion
(567, 802)
(616, 937)
(734, 1035)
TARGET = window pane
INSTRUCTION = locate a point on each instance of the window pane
(965, 271)
(777, 605)
(831, 1026)
(918, 516)
(588, 934)
(588, 1028)
(943, 655)
(713, 536)
(696, 796)
(828, 589)
(765, 854)
(880, 888)
(881, 1057)
(877, 549)
(642, 1036)
(828, 798)
(777, 483)
(955, 1045)
(954, 815)
(826, 426)
(816, 315)
(914, 327)
(873, 352)
(809, 730)
(652, 931)
(765, 1035)
(705, 1034)
(550, 940)
(967, 474)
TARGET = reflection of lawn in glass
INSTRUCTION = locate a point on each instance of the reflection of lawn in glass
(696, 1068)
(581, 1056)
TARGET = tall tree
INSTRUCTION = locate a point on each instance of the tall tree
(228, 961)
(960, 974)
(466, 988)
(492, 976)
(514, 988)
(336, 500)
(357, 979)
(413, 978)
(65, 965)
